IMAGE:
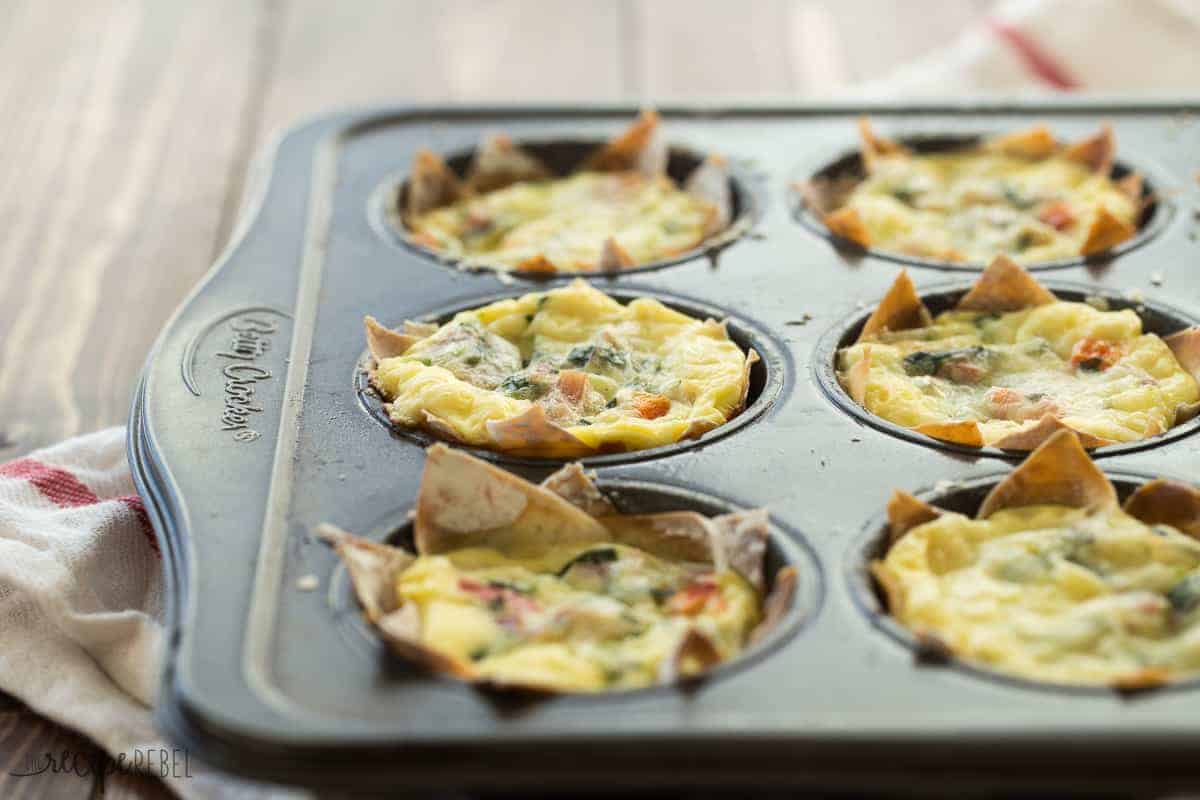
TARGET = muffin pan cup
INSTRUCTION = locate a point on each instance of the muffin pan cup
(1157, 318)
(563, 157)
(849, 166)
(247, 430)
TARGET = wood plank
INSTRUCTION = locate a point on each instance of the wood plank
(497, 50)
(709, 48)
(119, 138)
(383, 51)
(819, 50)
(380, 52)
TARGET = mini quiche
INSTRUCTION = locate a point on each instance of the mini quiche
(1023, 195)
(618, 210)
(564, 373)
(1011, 364)
(549, 588)
(1053, 580)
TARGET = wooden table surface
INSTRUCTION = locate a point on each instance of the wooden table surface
(129, 125)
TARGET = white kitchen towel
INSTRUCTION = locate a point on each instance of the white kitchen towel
(81, 603)
(1045, 46)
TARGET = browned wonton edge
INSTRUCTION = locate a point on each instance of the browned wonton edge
(1185, 344)
(465, 502)
(499, 162)
(1097, 152)
(1004, 286)
(531, 433)
(1059, 472)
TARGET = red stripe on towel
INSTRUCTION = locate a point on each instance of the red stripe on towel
(66, 491)
(1037, 60)
(56, 485)
(135, 504)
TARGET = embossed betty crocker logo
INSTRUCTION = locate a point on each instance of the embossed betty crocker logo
(251, 340)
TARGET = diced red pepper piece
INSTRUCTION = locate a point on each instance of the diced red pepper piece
(572, 384)
(651, 406)
(960, 370)
(693, 598)
(1095, 354)
(512, 600)
(1057, 215)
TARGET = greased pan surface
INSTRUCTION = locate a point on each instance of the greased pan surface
(249, 429)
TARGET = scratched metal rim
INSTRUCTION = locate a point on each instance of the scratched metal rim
(1155, 214)
(767, 381)
(563, 156)
(1158, 318)
(785, 547)
(965, 497)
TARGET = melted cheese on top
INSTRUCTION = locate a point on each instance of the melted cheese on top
(1053, 593)
(562, 225)
(618, 377)
(580, 618)
(1094, 370)
(974, 206)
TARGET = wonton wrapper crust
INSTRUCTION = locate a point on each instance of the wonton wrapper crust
(857, 378)
(384, 342)
(1107, 231)
(575, 486)
(1058, 472)
(818, 195)
(1097, 152)
(533, 433)
(1185, 345)
(640, 148)
(900, 309)
(1036, 143)
(752, 358)
(431, 184)
(1132, 186)
(710, 183)
(905, 512)
(875, 147)
(465, 502)
(846, 223)
(1047, 426)
(613, 256)
(372, 568)
(964, 432)
(1169, 503)
(499, 163)
(1003, 287)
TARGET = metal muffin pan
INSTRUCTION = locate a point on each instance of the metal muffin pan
(249, 428)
